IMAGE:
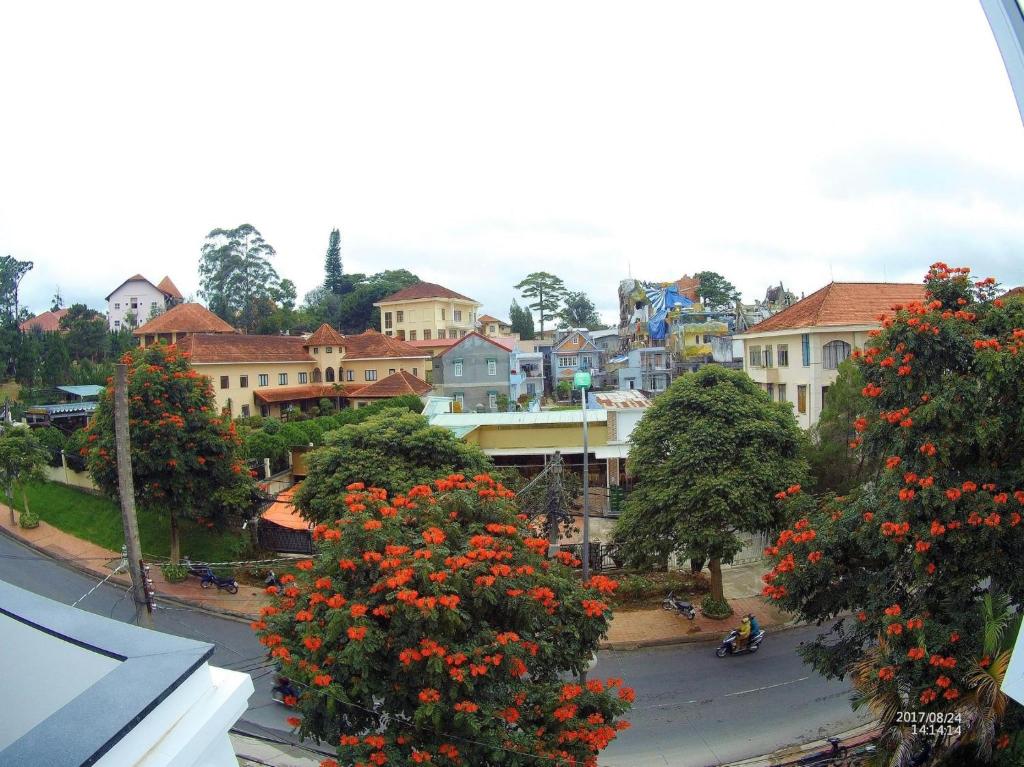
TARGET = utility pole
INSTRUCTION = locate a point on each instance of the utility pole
(554, 503)
(586, 490)
(126, 491)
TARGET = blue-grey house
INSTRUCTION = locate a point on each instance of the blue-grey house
(474, 372)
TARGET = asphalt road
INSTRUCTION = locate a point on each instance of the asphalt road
(692, 709)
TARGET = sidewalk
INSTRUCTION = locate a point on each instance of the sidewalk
(630, 629)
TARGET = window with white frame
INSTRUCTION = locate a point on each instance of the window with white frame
(754, 359)
(492, 400)
(568, 362)
(370, 375)
(282, 379)
(782, 353)
(586, 362)
(833, 353)
(457, 315)
(492, 367)
(768, 356)
(264, 379)
(457, 369)
(303, 378)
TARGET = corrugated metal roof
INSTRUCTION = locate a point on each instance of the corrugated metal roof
(451, 420)
(620, 399)
(88, 390)
(67, 407)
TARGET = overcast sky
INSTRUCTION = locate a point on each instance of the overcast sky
(473, 143)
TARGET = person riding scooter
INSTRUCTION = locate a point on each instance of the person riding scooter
(755, 625)
(743, 637)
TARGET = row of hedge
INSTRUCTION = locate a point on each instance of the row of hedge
(271, 438)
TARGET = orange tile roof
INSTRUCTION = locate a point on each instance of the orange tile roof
(371, 343)
(424, 290)
(185, 318)
(169, 288)
(283, 512)
(325, 335)
(310, 391)
(395, 385)
(47, 322)
(1017, 292)
(842, 303)
(225, 347)
(489, 318)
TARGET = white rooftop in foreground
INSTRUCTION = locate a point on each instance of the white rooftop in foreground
(88, 690)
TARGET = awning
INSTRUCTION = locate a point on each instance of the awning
(296, 393)
(282, 512)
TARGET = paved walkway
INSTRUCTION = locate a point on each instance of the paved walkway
(629, 629)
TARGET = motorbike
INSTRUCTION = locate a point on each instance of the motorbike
(674, 603)
(271, 580)
(283, 689)
(208, 578)
(728, 646)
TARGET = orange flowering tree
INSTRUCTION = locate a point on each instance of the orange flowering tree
(185, 457)
(901, 567)
(430, 628)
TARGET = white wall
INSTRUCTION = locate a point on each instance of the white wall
(120, 303)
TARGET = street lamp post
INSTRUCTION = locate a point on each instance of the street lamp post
(582, 380)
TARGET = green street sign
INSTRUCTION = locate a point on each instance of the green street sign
(581, 380)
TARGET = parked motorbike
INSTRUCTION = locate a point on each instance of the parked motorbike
(728, 646)
(674, 603)
(208, 578)
(272, 580)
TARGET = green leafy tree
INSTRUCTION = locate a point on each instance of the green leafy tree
(236, 277)
(913, 554)
(86, 333)
(708, 457)
(563, 389)
(22, 458)
(716, 292)
(57, 303)
(394, 449)
(354, 312)
(837, 466)
(185, 458)
(546, 291)
(11, 273)
(430, 629)
(334, 278)
(521, 321)
(578, 311)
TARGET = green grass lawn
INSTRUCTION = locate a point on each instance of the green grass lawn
(98, 519)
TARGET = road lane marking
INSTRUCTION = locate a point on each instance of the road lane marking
(767, 687)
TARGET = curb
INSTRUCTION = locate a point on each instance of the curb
(242, 617)
(121, 580)
(700, 636)
(794, 754)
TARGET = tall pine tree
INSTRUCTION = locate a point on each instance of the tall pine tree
(334, 280)
(522, 321)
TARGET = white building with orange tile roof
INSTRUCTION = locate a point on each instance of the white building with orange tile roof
(795, 354)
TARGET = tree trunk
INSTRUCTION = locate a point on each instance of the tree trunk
(10, 504)
(715, 566)
(175, 540)
(24, 496)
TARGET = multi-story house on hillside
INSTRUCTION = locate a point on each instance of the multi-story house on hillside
(571, 353)
(427, 312)
(474, 372)
(137, 300)
(648, 369)
(795, 354)
(267, 375)
(492, 326)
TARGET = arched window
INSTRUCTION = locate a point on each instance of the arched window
(316, 375)
(329, 375)
(833, 353)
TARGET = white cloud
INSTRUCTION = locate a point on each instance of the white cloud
(473, 143)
